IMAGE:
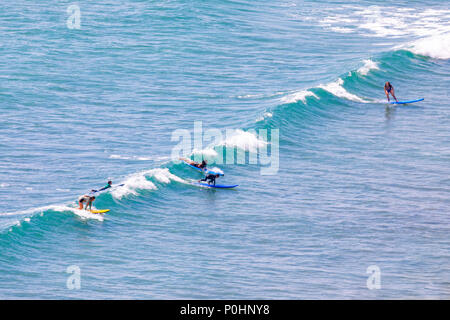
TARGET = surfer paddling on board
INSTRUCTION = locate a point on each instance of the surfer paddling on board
(210, 178)
(109, 185)
(86, 199)
(389, 89)
(201, 165)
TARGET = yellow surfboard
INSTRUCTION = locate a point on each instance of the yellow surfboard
(100, 211)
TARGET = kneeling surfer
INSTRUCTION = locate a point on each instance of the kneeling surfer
(86, 199)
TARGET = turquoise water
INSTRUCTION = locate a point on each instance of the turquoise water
(359, 183)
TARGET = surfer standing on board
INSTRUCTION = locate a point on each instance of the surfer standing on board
(389, 89)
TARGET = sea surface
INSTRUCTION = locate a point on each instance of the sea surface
(354, 203)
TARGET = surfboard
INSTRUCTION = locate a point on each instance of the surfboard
(220, 186)
(99, 211)
(405, 102)
(208, 171)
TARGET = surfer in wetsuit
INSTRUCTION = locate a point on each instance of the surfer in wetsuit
(109, 185)
(86, 199)
(210, 178)
(389, 89)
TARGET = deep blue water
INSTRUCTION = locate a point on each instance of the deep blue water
(357, 183)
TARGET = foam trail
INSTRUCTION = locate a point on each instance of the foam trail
(59, 208)
(87, 215)
(336, 89)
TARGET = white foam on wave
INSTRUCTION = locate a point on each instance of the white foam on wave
(208, 152)
(387, 21)
(338, 90)
(59, 208)
(437, 47)
(131, 185)
(163, 175)
(243, 140)
(30, 211)
(81, 213)
(381, 25)
(140, 181)
(298, 96)
(368, 65)
(88, 215)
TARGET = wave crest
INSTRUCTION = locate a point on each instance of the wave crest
(437, 47)
(338, 90)
(139, 181)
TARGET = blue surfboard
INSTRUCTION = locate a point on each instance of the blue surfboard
(405, 102)
(220, 186)
(208, 171)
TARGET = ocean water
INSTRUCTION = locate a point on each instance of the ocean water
(355, 184)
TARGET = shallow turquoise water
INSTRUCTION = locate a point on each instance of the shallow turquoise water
(360, 183)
